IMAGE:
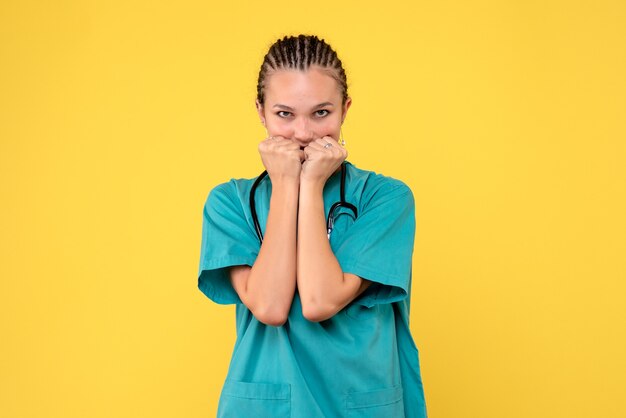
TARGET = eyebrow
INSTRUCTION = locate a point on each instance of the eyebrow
(281, 106)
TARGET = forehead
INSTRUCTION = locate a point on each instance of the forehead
(296, 86)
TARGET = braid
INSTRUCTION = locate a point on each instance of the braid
(300, 53)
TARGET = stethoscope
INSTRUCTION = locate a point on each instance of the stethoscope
(330, 222)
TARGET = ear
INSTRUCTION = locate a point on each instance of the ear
(346, 106)
(260, 111)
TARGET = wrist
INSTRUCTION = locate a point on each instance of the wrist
(312, 185)
(311, 197)
(285, 183)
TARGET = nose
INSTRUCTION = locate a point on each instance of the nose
(302, 132)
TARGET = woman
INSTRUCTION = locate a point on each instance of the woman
(322, 310)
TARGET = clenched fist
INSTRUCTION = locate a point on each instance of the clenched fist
(282, 158)
(321, 159)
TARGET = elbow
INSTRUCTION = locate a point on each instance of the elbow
(316, 312)
(272, 316)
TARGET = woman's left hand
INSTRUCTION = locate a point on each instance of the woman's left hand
(320, 160)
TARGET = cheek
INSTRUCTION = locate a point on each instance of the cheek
(330, 126)
(277, 127)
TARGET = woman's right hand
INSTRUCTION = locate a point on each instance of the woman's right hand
(282, 158)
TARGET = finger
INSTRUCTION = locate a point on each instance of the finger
(322, 144)
(277, 138)
(329, 140)
(333, 141)
(287, 148)
(314, 146)
(284, 140)
(311, 152)
(279, 142)
(330, 146)
(293, 151)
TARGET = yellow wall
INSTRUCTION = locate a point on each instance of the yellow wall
(507, 119)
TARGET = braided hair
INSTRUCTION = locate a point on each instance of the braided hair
(300, 53)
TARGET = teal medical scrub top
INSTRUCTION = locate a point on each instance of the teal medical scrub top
(363, 361)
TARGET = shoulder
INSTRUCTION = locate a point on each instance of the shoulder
(229, 192)
(376, 188)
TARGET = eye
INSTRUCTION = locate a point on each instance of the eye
(280, 113)
(317, 112)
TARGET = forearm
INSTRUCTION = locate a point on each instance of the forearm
(272, 279)
(320, 280)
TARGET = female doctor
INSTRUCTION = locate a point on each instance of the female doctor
(322, 289)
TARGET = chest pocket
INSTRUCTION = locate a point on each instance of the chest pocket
(252, 400)
(384, 403)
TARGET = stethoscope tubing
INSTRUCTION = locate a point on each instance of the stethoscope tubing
(330, 222)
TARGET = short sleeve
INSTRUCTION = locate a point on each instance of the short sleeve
(227, 240)
(379, 245)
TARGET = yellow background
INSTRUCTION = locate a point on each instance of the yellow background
(507, 120)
